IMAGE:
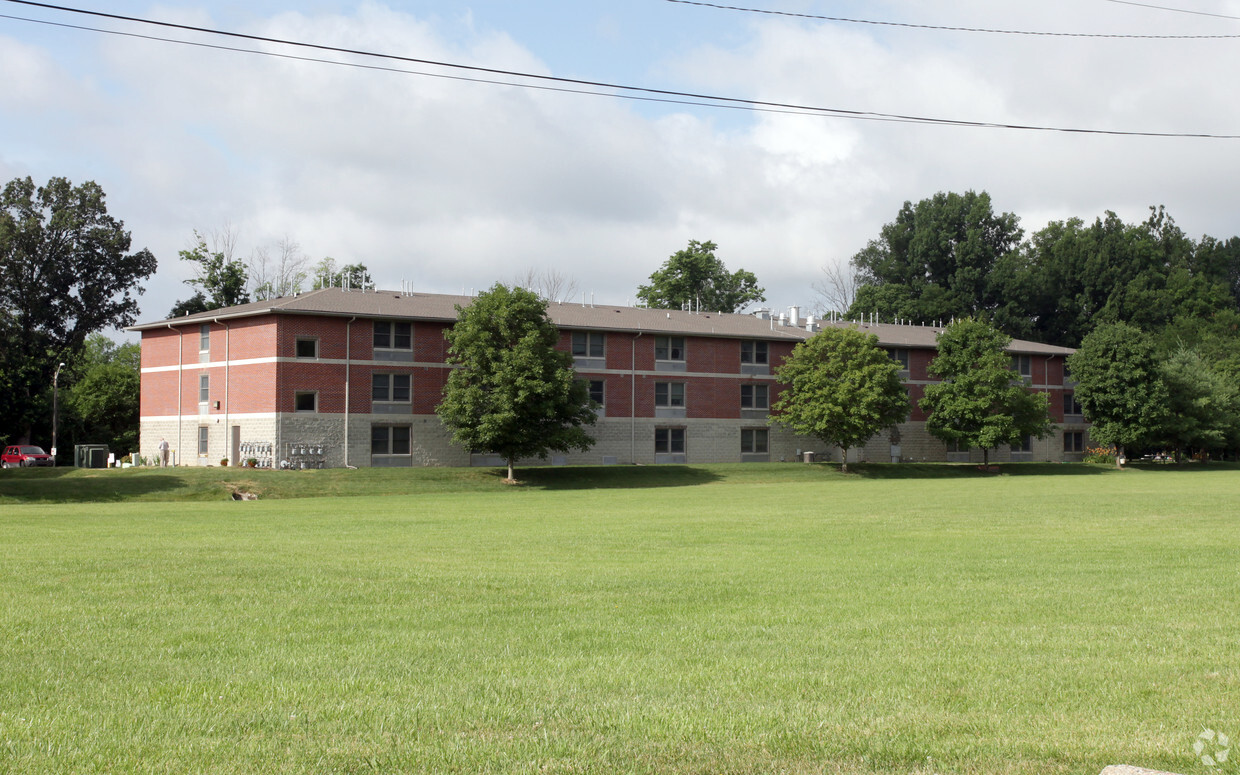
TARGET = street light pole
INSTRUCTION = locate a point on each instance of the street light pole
(55, 402)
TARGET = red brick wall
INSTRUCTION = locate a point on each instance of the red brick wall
(159, 348)
(919, 364)
(251, 386)
(159, 393)
(778, 352)
(429, 344)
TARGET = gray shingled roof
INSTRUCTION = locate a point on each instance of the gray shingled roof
(337, 302)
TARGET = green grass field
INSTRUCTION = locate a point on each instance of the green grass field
(714, 619)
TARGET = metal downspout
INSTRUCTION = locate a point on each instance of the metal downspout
(180, 375)
(348, 362)
(227, 430)
(633, 398)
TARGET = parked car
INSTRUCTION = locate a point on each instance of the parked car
(22, 456)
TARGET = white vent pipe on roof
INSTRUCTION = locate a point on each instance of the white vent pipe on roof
(794, 314)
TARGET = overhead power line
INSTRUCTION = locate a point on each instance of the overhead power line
(1176, 10)
(569, 85)
(909, 25)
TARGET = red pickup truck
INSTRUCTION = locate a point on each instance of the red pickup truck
(22, 456)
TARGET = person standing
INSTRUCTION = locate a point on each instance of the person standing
(163, 452)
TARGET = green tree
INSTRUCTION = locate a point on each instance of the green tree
(1070, 276)
(102, 402)
(1120, 387)
(935, 260)
(512, 392)
(1202, 410)
(842, 388)
(327, 275)
(695, 277)
(66, 271)
(220, 280)
(980, 401)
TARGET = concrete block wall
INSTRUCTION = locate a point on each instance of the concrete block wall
(183, 437)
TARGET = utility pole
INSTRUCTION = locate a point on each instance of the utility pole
(55, 407)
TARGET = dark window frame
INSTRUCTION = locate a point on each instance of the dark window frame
(299, 401)
(588, 344)
(755, 396)
(755, 351)
(750, 438)
(669, 395)
(669, 441)
(393, 335)
(390, 387)
(669, 348)
(901, 356)
(394, 439)
(1023, 365)
(1073, 441)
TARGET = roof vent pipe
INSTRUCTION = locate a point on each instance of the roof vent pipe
(809, 323)
(794, 314)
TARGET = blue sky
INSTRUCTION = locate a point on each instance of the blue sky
(454, 185)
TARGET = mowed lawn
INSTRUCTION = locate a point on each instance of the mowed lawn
(730, 620)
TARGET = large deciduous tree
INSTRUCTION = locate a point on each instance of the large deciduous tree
(1204, 406)
(980, 401)
(101, 404)
(66, 271)
(842, 388)
(280, 275)
(512, 392)
(935, 260)
(695, 277)
(1071, 276)
(1120, 387)
(220, 279)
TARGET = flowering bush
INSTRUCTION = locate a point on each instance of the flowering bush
(1100, 455)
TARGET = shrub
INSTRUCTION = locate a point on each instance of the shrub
(1100, 455)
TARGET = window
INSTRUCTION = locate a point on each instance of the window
(669, 394)
(1074, 441)
(754, 352)
(1025, 445)
(754, 397)
(390, 335)
(587, 344)
(669, 441)
(307, 348)
(392, 388)
(204, 337)
(1071, 405)
(754, 441)
(1022, 365)
(389, 439)
(204, 440)
(669, 348)
(596, 391)
(900, 356)
(1067, 375)
(204, 388)
(306, 401)
(956, 446)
